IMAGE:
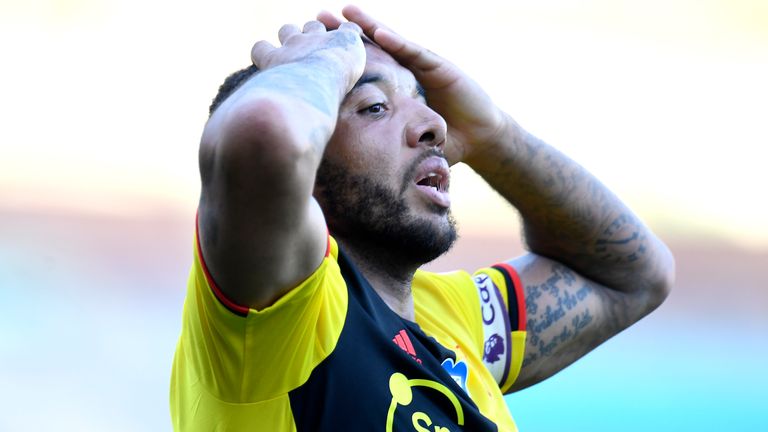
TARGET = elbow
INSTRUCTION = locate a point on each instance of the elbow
(263, 129)
(662, 279)
(258, 136)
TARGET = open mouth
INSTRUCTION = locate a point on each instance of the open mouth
(434, 180)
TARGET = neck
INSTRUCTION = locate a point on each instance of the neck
(390, 278)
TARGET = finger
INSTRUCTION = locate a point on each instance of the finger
(314, 27)
(406, 52)
(351, 27)
(365, 21)
(286, 32)
(260, 51)
(331, 21)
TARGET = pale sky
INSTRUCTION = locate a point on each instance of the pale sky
(666, 101)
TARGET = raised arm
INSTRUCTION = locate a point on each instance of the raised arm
(594, 268)
(261, 231)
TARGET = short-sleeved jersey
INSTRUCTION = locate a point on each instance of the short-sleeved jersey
(330, 355)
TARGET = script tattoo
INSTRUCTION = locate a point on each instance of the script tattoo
(568, 316)
(556, 312)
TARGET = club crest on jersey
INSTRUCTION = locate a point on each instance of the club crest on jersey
(458, 371)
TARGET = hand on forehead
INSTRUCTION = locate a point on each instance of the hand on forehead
(425, 65)
(382, 69)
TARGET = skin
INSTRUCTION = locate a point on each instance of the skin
(383, 128)
(593, 267)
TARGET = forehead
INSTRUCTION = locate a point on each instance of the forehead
(376, 55)
(388, 71)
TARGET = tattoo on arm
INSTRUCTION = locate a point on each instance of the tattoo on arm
(569, 214)
(548, 305)
(343, 40)
(314, 78)
(623, 241)
(560, 310)
(312, 81)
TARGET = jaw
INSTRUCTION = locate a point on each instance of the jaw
(427, 203)
(405, 228)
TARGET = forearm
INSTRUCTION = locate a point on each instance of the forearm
(569, 216)
(295, 103)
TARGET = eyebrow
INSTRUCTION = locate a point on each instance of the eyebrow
(366, 79)
(372, 78)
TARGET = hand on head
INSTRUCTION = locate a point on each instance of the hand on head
(474, 121)
(342, 46)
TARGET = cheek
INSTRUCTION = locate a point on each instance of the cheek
(341, 148)
(371, 150)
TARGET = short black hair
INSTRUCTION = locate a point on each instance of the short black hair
(230, 84)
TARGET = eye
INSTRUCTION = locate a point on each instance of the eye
(376, 108)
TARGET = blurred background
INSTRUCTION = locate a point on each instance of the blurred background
(104, 102)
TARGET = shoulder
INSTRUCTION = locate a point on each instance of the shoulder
(487, 313)
(454, 291)
(221, 341)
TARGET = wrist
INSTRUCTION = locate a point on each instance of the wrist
(337, 76)
(506, 135)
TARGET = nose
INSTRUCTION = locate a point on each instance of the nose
(427, 129)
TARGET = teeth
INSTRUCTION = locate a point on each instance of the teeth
(433, 180)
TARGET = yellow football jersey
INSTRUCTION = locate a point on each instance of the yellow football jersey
(331, 356)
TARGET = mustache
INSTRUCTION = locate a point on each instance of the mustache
(410, 171)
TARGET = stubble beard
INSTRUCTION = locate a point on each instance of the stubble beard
(378, 222)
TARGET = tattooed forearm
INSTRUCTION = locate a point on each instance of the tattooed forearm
(568, 214)
(623, 241)
(319, 77)
(594, 269)
(550, 308)
(562, 205)
(312, 80)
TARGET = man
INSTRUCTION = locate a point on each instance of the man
(325, 187)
